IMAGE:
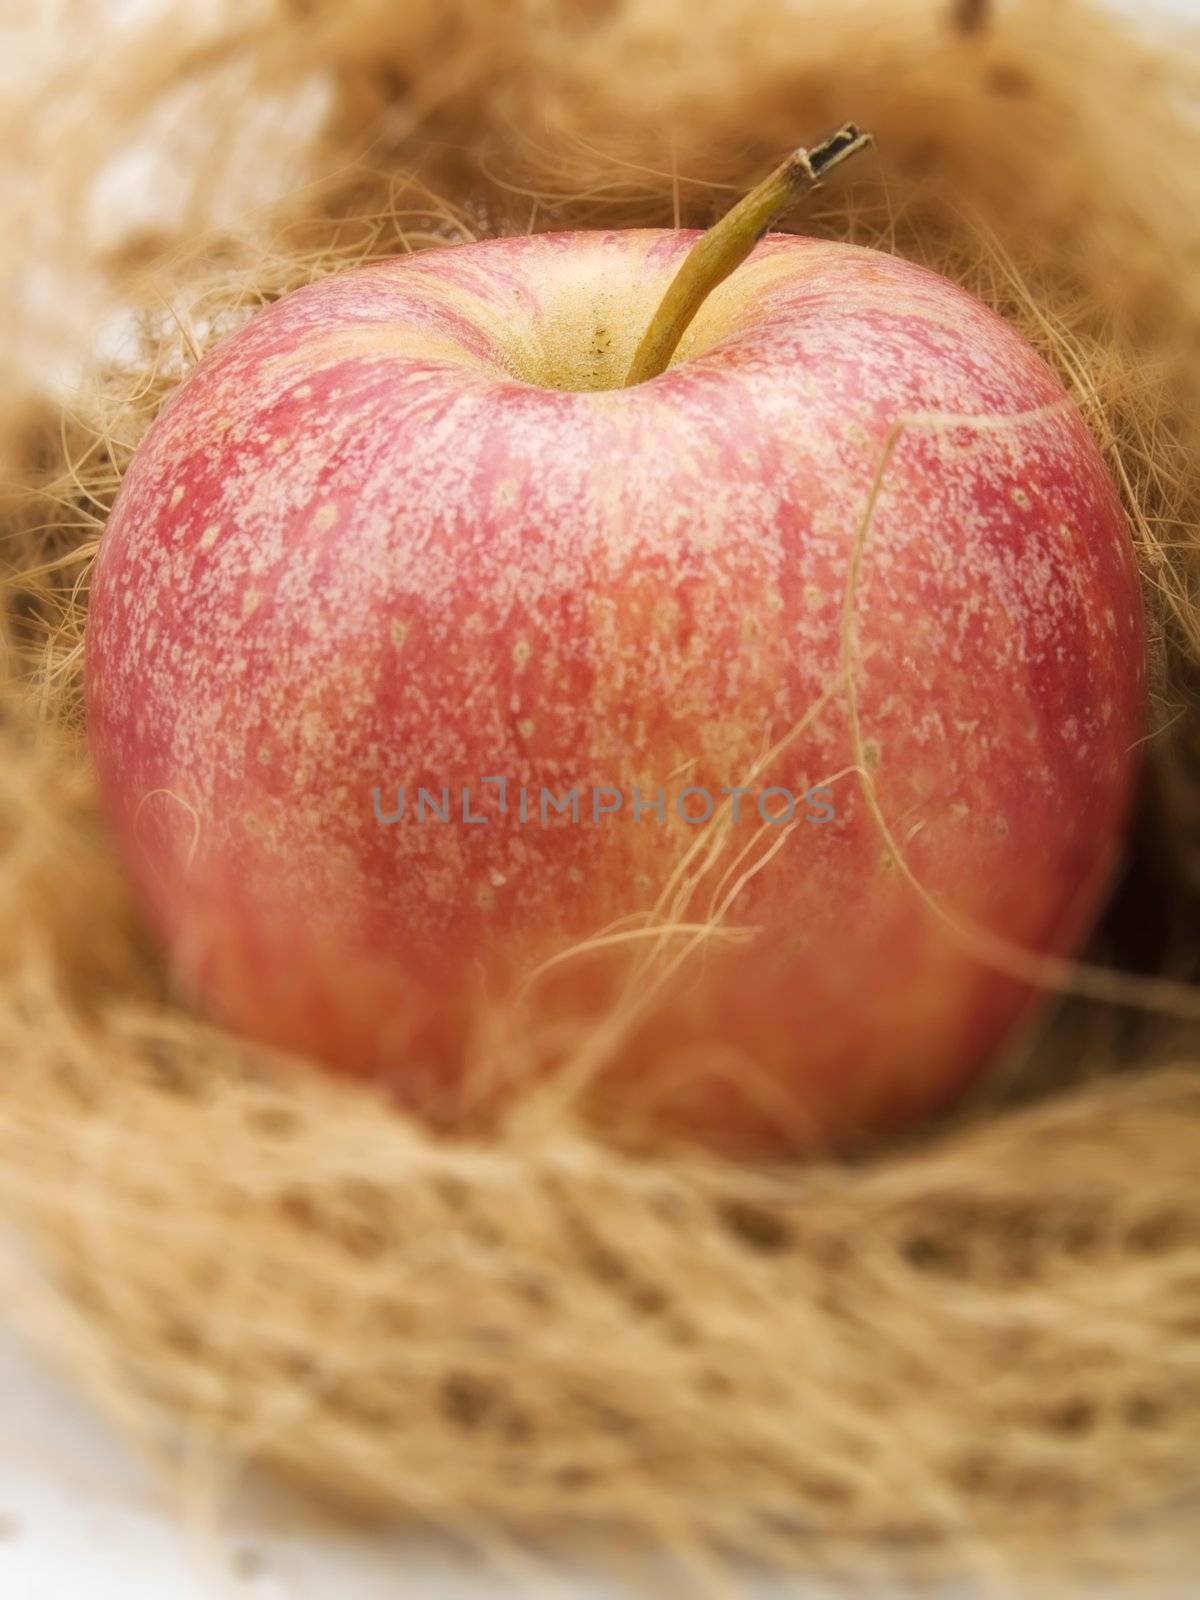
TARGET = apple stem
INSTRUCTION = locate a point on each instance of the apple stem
(728, 242)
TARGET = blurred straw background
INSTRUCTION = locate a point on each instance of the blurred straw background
(978, 1353)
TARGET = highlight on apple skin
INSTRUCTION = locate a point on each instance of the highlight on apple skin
(405, 529)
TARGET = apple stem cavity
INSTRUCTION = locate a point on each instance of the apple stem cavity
(725, 245)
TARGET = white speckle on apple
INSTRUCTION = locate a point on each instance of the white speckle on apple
(395, 457)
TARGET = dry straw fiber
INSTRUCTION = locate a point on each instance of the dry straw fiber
(981, 1351)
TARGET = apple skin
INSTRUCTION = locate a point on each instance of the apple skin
(404, 527)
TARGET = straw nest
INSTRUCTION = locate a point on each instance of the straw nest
(979, 1351)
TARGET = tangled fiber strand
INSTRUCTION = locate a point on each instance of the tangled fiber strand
(928, 1353)
(981, 1351)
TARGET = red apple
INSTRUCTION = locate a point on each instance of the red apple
(405, 529)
